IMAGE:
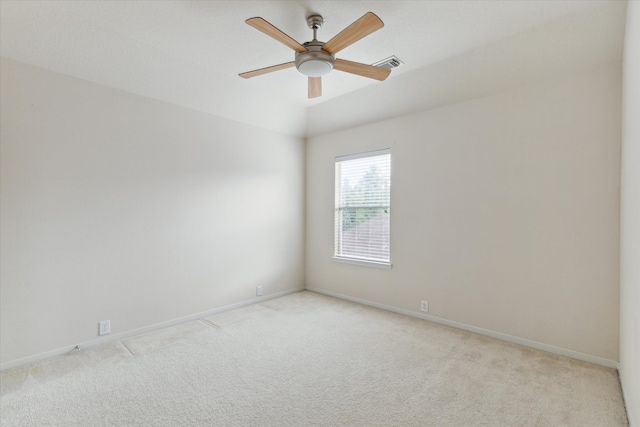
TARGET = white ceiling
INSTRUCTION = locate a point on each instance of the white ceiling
(190, 52)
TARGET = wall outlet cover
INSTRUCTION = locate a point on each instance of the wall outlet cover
(424, 306)
(105, 327)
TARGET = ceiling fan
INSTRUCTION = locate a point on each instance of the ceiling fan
(315, 58)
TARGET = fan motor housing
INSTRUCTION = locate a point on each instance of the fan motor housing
(315, 62)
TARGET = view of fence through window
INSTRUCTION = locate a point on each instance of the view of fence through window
(363, 184)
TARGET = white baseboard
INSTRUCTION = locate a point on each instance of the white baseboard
(504, 337)
(124, 335)
(630, 415)
(630, 418)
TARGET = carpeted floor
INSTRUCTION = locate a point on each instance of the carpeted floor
(310, 360)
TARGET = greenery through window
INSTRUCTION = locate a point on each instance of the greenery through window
(362, 206)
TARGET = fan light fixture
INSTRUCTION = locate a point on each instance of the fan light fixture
(314, 62)
(315, 67)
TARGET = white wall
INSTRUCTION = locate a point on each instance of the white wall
(630, 219)
(115, 206)
(505, 213)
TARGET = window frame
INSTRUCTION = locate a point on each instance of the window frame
(378, 263)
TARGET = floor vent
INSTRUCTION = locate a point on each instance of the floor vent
(389, 63)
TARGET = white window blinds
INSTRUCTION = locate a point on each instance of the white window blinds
(362, 206)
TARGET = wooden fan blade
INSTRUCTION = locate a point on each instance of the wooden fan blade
(266, 70)
(315, 87)
(271, 31)
(354, 32)
(363, 70)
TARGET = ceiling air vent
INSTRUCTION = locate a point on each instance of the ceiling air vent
(389, 63)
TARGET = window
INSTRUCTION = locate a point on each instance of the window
(362, 208)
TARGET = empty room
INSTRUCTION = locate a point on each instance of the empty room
(320, 213)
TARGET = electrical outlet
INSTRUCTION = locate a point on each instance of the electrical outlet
(258, 291)
(424, 306)
(105, 327)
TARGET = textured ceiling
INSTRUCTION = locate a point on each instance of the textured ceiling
(190, 52)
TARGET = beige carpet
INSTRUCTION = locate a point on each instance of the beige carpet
(311, 360)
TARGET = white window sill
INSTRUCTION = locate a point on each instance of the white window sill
(363, 262)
